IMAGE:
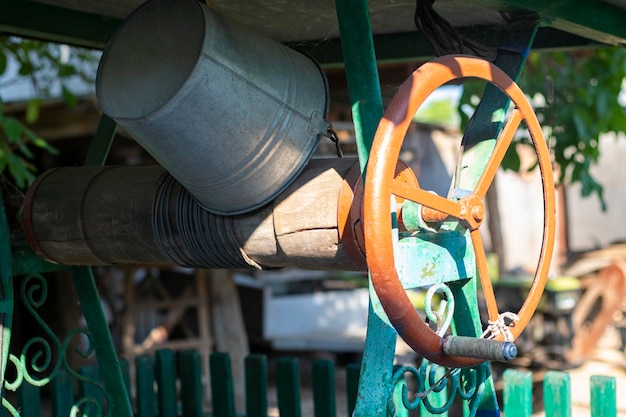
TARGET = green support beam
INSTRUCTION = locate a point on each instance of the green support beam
(404, 47)
(57, 24)
(592, 19)
(42, 21)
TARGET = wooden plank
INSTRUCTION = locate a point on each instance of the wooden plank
(324, 388)
(557, 395)
(228, 327)
(29, 400)
(603, 396)
(146, 397)
(256, 386)
(125, 368)
(62, 394)
(87, 389)
(165, 375)
(189, 370)
(222, 392)
(288, 387)
(518, 393)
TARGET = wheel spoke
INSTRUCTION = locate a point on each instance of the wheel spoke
(502, 144)
(427, 199)
(483, 273)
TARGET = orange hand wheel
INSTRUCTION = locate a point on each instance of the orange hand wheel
(468, 210)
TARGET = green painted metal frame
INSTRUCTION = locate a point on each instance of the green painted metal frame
(376, 386)
(591, 19)
(90, 299)
(357, 44)
(38, 20)
(566, 25)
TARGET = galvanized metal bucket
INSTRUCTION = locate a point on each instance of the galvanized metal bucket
(233, 115)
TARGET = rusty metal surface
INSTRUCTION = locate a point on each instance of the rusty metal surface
(605, 290)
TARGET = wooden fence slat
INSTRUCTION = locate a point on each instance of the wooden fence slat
(190, 369)
(90, 390)
(603, 396)
(62, 393)
(323, 379)
(146, 397)
(256, 385)
(518, 393)
(288, 387)
(28, 400)
(165, 375)
(353, 372)
(557, 394)
(125, 368)
(222, 392)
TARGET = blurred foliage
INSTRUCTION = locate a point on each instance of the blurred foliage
(575, 96)
(438, 112)
(50, 69)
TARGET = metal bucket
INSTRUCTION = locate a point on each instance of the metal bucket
(232, 115)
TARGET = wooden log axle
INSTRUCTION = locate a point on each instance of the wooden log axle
(141, 215)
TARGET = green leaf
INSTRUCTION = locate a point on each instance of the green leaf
(69, 97)
(21, 171)
(3, 62)
(66, 70)
(511, 160)
(4, 155)
(12, 129)
(32, 110)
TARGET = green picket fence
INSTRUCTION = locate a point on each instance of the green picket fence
(557, 401)
(170, 385)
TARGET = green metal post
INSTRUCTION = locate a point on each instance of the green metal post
(111, 373)
(481, 133)
(84, 282)
(467, 323)
(359, 57)
(101, 145)
(6, 293)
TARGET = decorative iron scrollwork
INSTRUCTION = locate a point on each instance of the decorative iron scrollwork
(43, 358)
(432, 379)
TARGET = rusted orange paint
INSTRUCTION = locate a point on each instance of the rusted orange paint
(469, 211)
